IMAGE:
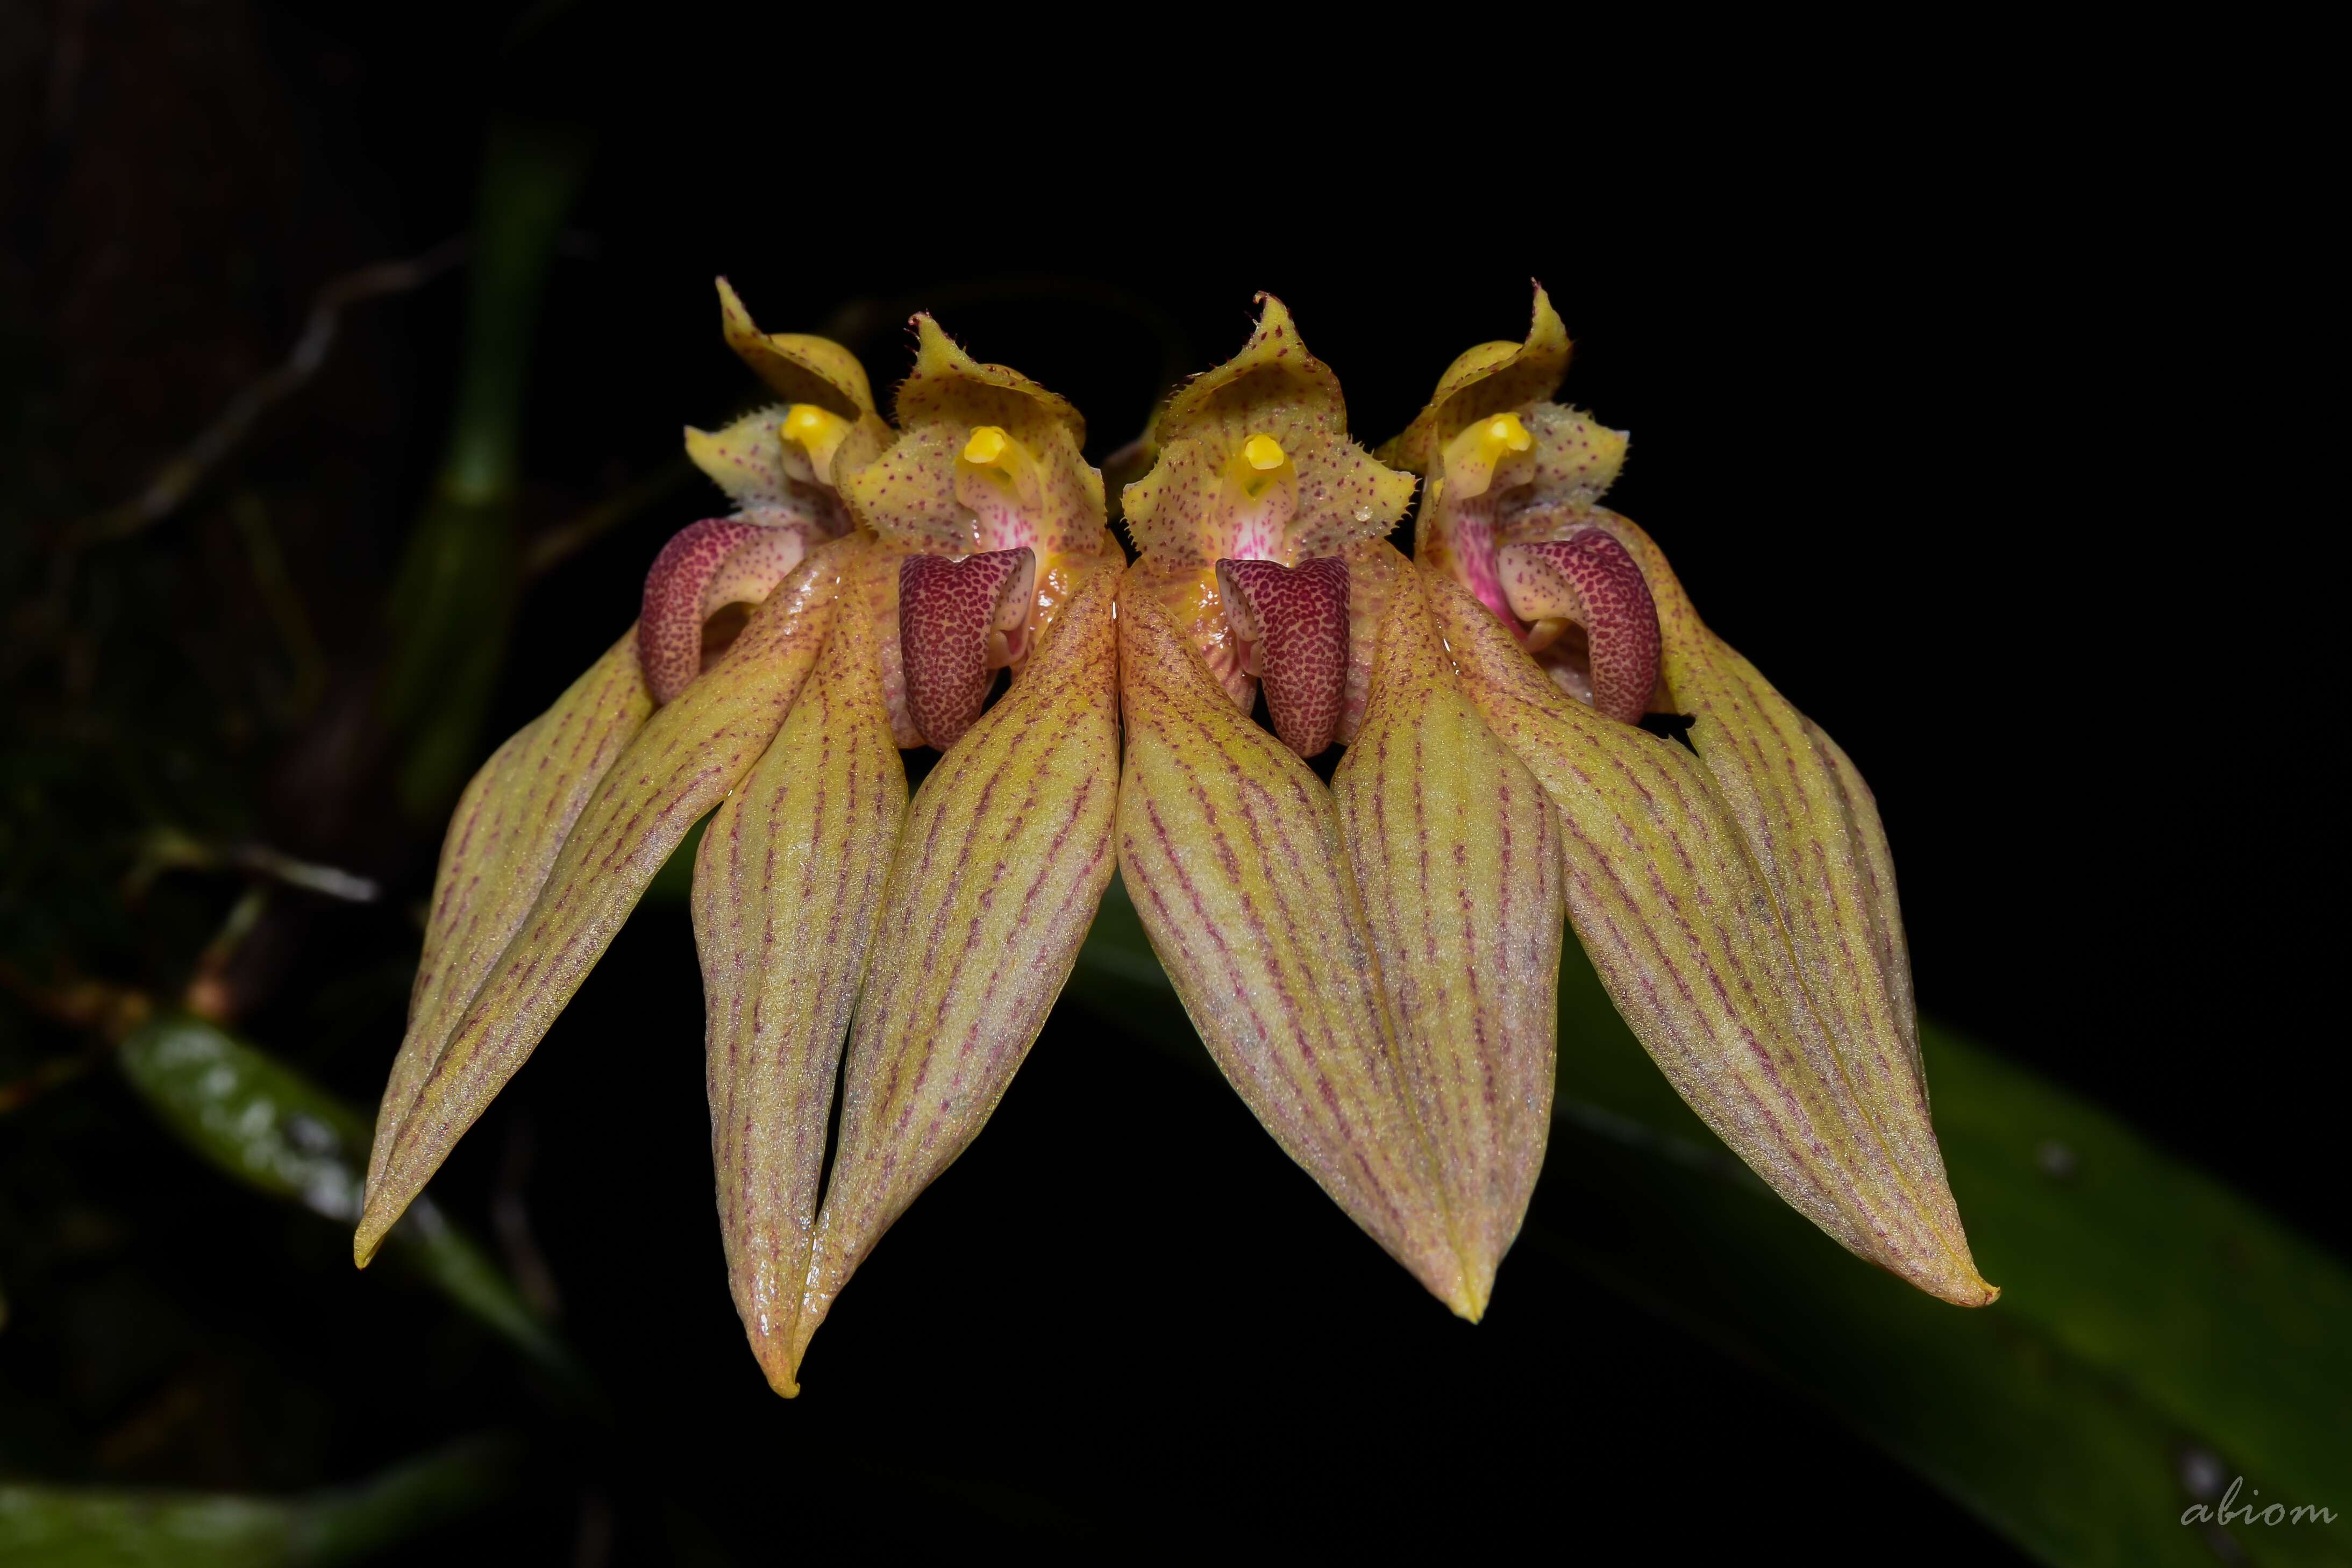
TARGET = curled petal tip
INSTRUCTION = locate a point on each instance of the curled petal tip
(777, 1344)
(802, 368)
(1464, 1288)
(946, 376)
(781, 1370)
(1461, 1289)
(1484, 380)
(377, 1217)
(814, 1305)
(1962, 1285)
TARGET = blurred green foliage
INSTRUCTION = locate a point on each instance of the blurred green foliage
(453, 599)
(139, 774)
(57, 1527)
(274, 1130)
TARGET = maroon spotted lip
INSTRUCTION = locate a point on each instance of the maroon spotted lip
(1588, 578)
(1293, 626)
(960, 622)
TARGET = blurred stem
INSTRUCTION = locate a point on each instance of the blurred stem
(17, 1093)
(209, 994)
(284, 600)
(179, 477)
(531, 175)
(162, 849)
(349, 1524)
(452, 605)
(107, 1011)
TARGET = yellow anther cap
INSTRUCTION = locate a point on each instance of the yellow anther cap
(987, 445)
(1505, 430)
(1263, 452)
(811, 425)
(1484, 446)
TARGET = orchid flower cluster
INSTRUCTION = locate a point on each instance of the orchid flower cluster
(1372, 963)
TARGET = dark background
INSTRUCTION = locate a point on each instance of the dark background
(1961, 418)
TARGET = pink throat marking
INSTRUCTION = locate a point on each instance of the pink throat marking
(1591, 579)
(958, 622)
(669, 623)
(1292, 623)
(1472, 548)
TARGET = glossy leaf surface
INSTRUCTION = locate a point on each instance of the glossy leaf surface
(271, 1127)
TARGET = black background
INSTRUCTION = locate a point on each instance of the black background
(1961, 412)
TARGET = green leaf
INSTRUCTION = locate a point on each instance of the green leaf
(2157, 1337)
(73, 1527)
(276, 1132)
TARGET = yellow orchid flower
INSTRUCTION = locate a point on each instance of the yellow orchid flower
(1372, 964)
(892, 574)
(1734, 892)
